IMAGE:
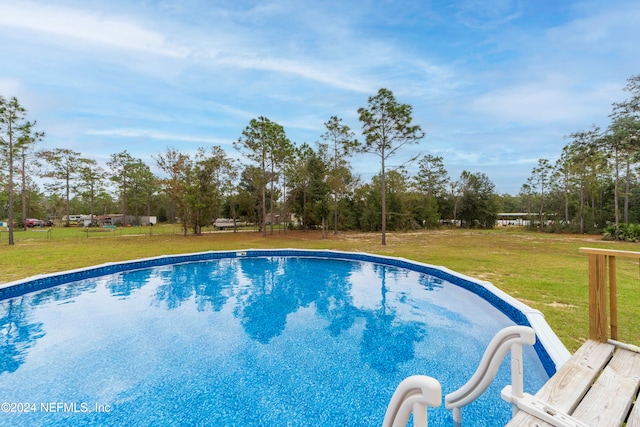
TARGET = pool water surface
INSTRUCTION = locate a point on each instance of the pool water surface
(245, 341)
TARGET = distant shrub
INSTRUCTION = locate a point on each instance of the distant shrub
(624, 232)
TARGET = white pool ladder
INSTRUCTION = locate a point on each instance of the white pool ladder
(413, 395)
(418, 392)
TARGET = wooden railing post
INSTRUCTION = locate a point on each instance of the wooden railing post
(613, 298)
(599, 261)
(598, 298)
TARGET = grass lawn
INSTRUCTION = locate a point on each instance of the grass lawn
(545, 271)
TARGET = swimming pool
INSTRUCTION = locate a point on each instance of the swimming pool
(282, 337)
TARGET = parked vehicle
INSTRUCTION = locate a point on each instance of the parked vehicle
(32, 222)
(222, 223)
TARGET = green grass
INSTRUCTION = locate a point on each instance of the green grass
(545, 271)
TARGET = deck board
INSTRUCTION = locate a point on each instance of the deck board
(608, 402)
(571, 383)
(634, 417)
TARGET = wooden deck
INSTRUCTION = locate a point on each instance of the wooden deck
(597, 386)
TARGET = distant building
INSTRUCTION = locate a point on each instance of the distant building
(73, 218)
(118, 219)
(518, 219)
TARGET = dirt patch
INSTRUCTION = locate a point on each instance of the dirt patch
(559, 305)
(487, 277)
(554, 304)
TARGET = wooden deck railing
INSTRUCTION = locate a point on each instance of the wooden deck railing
(601, 262)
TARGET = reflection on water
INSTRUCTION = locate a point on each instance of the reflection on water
(262, 294)
(18, 333)
(386, 342)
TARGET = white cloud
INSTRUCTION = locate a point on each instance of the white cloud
(152, 134)
(486, 14)
(343, 62)
(9, 87)
(553, 99)
(301, 68)
(89, 27)
(602, 30)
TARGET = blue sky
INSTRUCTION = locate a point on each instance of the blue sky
(495, 84)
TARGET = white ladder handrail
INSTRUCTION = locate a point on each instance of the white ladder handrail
(508, 339)
(413, 395)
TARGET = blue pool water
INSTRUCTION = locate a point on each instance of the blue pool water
(244, 341)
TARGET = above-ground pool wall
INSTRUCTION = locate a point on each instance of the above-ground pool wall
(550, 350)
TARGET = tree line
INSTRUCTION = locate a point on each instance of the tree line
(593, 185)
(594, 182)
